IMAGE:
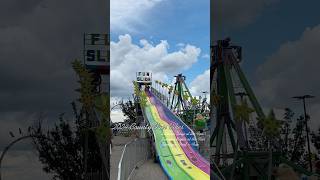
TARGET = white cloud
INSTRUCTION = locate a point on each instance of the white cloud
(127, 58)
(125, 15)
(205, 56)
(238, 13)
(117, 116)
(230, 14)
(200, 84)
(292, 70)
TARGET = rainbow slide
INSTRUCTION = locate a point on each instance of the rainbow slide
(175, 142)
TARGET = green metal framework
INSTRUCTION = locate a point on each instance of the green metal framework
(179, 100)
(226, 60)
(246, 162)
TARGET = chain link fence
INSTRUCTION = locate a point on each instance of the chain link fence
(134, 154)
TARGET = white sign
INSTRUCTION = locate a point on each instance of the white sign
(144, 77)
(96, 52)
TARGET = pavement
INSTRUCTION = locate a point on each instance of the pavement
(149, 170)
(146, 171)
(118, 144)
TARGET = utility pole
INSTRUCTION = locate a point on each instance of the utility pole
(303, 98)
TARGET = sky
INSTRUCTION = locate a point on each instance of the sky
(280, 40)
(165, 37)
(39, 39)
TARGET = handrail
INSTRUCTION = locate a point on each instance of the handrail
(120, 162)
(126, 166)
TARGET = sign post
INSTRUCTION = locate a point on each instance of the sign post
(97, 53)
(96, 57)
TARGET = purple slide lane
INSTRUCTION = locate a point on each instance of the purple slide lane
(193, 156)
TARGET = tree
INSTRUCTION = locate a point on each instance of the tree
(297, 147)
(129, 111)
(291, 138)
(63, 157)
(315, 139)
(70, 155)
(286, 130)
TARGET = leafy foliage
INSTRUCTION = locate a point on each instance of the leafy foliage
(194, 101)
(216, 99)
(64, 155)
(143, 98)
(289, 137)
(129, 111)
(297, 146)
(141, 95)
(86, 86)
(271, 126)
(103, 106)
(243, 111)
(315, 139)
(185, 96)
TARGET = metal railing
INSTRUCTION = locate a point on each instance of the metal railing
(134, 153)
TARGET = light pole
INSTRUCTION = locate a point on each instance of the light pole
(205, 94)
(303, 98)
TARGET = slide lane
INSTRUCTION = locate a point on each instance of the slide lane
(192, 154)
(169, 142)
(166, 158)
(186, 130)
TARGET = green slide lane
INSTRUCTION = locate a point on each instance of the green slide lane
(165, 156)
